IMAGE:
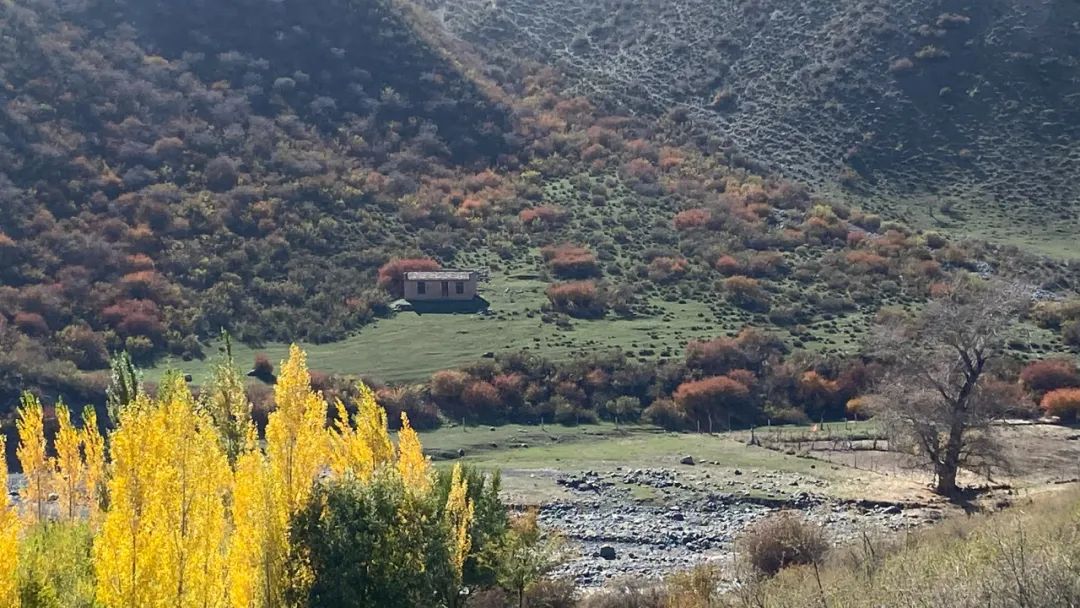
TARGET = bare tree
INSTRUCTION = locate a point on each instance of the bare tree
(937, 398)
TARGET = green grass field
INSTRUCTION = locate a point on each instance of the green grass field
(408, 347)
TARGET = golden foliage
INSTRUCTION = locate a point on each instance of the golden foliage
(36, 465)
(362, 447)
(295, 440)
(412, 465)
(258, 546)
(9, 543)
(459, 518)
(94, 459)
(70, 472)
(181, 527)
(162, 542)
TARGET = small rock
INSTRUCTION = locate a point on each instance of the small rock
(607, 552)
(738, 472)
(687, 460)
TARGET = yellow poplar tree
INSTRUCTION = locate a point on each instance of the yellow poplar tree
(295, 436)
(412, 465)
(459, 518)
(192, 489)
(350, 454)
(70, 472)
(258, 546)
(94, 457)
(360, 448)
(371, 424)
(163, 540)
(9, 543)
(127, 545)
(36, 466)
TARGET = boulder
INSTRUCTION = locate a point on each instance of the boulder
(607, 552)
(687, 460)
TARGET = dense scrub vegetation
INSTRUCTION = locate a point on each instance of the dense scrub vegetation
(171, 172)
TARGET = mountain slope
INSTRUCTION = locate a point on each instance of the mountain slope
(951, 114)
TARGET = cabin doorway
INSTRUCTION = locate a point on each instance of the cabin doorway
(445, 289)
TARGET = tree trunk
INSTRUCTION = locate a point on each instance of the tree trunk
(949, 464)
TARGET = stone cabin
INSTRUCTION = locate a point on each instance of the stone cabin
(440, 285)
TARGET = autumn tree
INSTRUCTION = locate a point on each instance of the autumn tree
(162, 540)
(935, 397)
(527, 554)
(458, 517)
(36, 465)
(70, 471)
(9, 542)
(710, 399)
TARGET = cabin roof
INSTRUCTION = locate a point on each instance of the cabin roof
(440, 275)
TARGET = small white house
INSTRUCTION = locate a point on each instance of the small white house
(444, 285)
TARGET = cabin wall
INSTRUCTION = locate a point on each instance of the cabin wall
(434, 291)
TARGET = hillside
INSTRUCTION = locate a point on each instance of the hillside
(252, 166)
(954, 115)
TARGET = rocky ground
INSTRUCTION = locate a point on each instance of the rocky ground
(645, 523)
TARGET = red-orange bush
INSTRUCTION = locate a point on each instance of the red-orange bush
(448, 385)
(867, 261)
(692, 218)
(577, 299)
(571, 261)
(708, 399)
(392, 274)
(1049, 375)
(546, 215)
(641, 170)
(481, 398)
(663, 269)
(728, 265)
(1063, 403)
(135, 318)
(31, 323)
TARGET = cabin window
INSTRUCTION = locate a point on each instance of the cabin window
(460, 287)
(421, 288)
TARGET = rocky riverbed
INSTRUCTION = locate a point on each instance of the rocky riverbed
(646, 523)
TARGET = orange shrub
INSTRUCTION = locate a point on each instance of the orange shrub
(31, 323)
(714, 356)
(708, 399)
(1049, 375)
(448, 385)
(728, 265)
(547, 215)
(1063, 403)
(140, 284)
(392, 274)
(577, 299)
(663, 269)
(867, 261)
(692, 218)
(480, 398)
(571, 261)
(641, 170)
(858, 408)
